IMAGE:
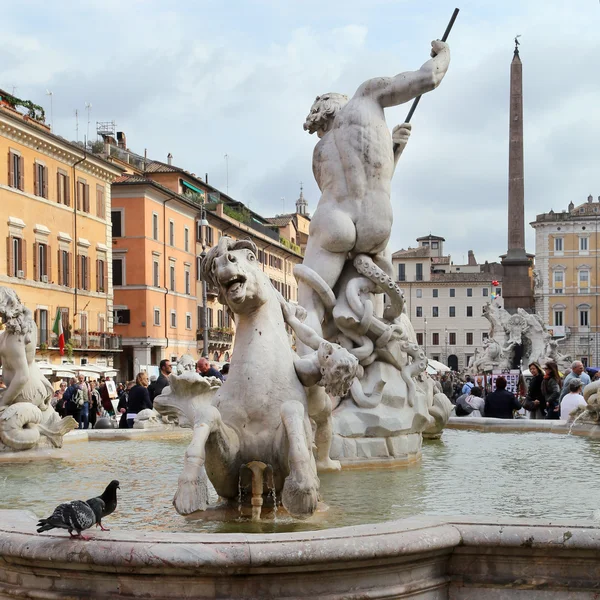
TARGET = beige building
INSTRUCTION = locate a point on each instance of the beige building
(566, 273)
(445, 301)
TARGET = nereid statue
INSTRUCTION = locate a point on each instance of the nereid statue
(521, 335)
(25, 410)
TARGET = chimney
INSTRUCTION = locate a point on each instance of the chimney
(169, 159)
(121, 140)
(590, 198)
(206, 177)
(472, 261)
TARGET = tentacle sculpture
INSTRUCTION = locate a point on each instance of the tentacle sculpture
(365, 266)
(19, 425)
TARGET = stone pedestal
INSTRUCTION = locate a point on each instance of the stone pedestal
(517, 289)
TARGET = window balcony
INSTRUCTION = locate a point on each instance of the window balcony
(101, 341)
(215, 336)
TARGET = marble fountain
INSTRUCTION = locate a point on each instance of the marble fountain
(268, 448)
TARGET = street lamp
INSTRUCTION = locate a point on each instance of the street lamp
(425, 337)
(203, 224)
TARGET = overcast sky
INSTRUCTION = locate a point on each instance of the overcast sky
(208, 78)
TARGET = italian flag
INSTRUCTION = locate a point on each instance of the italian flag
(58, 330)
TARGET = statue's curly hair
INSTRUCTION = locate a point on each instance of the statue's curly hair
(16, 316)
(338, 369)
(328, 105)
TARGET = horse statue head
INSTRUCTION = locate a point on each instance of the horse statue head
(232, 267)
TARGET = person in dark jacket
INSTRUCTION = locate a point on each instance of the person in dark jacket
(122, 406)
(155, 388)
(71, 407)
(501, 403)
(535, 402)
(551, 385)
(139, 398)
(94, 403)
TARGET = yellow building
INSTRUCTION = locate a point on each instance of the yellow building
(566, 278)
(55, 201)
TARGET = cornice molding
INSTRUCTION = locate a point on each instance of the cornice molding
(46, 145)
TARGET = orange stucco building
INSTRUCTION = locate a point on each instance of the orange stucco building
(158, 238)
(56, 203)
(154, 272)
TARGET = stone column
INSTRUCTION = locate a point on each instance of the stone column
(516, 190)
(516, 282)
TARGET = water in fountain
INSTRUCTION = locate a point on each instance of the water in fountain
(273, 494)
(463, 469)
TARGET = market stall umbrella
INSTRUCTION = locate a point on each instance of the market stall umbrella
(438, 366)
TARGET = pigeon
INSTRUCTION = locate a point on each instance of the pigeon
(109, 497)
(74, 516)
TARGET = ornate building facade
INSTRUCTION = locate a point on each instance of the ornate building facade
(56, 203)
(566, 278)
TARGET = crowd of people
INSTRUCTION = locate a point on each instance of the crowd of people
(87, 401)
(546, 395)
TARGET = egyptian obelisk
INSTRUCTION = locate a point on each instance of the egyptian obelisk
(516, 281)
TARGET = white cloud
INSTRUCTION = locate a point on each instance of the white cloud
(201, 79)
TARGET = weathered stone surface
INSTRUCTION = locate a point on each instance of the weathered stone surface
(509, 331)
(488, 424)
(421, 558)
(27, 419)
(382, 421)
(371, 448)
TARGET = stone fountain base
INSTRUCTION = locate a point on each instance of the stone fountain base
(363, 452)
(425, 558)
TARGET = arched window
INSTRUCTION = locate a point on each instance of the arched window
(216, 356)
(226, 357)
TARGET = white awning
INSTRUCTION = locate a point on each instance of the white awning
(64, 373)
(438, 366)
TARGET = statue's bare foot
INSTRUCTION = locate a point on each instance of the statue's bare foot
(327, 465)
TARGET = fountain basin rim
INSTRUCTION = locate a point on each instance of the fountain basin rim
(127, 551)
(491, 425)
(329, 548)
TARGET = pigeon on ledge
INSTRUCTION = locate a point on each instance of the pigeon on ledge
(109, 497)
(74, 516)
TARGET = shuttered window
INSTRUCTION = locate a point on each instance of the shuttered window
(83, 273)
(64, 268)
(100, 205)
(16, 257)
(41, 262)
(63, 188)
(16, 171)
(40, 180)
(101, 276)
(83, 196)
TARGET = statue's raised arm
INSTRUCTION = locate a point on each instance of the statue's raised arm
(391, 91)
